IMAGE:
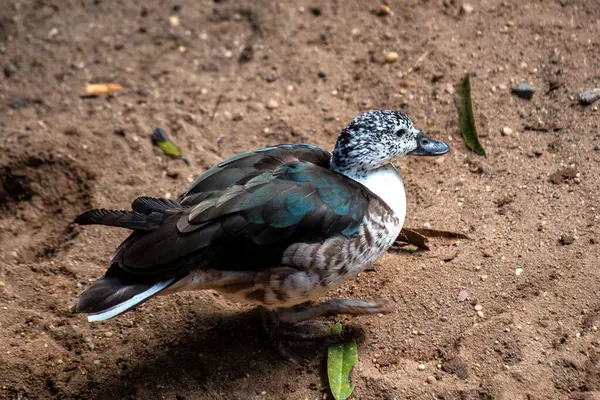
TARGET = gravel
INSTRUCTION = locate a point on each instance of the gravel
(589, 97)
(523, 90)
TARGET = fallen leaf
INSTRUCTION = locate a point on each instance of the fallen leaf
(101, 89)
(466, 117)
(412, 237)
(341, 358)
(159, 138)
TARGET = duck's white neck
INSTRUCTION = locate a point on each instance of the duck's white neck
(386, 183)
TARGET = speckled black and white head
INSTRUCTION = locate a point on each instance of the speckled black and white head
(377, 138)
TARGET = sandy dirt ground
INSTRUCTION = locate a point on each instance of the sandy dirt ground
(228, 76)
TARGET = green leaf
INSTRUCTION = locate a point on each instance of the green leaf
(466, 118)
(341, 358)
(170, 149)
(161, 139)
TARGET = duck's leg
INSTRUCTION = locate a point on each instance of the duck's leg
(297, 323)
(295, 315)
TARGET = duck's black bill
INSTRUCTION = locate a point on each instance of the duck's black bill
(429, 147)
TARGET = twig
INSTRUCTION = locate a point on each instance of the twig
(219, 99)
(411, 69)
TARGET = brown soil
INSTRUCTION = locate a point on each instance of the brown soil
(532, 204)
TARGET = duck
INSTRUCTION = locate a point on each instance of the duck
(276, 227)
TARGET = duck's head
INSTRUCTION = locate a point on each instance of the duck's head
(377, 138)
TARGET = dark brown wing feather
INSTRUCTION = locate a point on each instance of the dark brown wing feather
(242, 214)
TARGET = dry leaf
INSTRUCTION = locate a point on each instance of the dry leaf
(413, 237)
(102, 89)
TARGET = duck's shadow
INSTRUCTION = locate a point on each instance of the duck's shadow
(234, 354)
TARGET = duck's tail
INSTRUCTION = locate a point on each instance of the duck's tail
(118, 291)
(148, 213)
(111, 296)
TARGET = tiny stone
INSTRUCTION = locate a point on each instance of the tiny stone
(174, 20)
(431, 379)
(421, 367)
(506, 131)
(108, 334)
(566, 240)
(480, 314)
(391, 57)
(478, 307)
(502, 86)
(355, 32)
(589, 97)
(523, 91)
(272, 104)
(518, 271)
(2, 284)
(467, 8)
(463, 295)
(385, 10)
(510, 24)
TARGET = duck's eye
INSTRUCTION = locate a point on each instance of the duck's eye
(401, 132)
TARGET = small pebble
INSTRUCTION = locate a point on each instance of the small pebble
(174, 20)
(391, 57)
(385, 10)
(589, 97)
(478, 307)
(272, 104)
(2, 284)
(518, 271)
(431, 379)
(463, 295)
(467, 8)
(510, 24)
(566, 240)
(506, 131)
(480, 314)
(421, 367)
(523, 91)
(108, 334)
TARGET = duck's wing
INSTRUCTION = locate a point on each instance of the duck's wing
(249, 225)
(245, 166)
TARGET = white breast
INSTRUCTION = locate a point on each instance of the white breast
(387, 184)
